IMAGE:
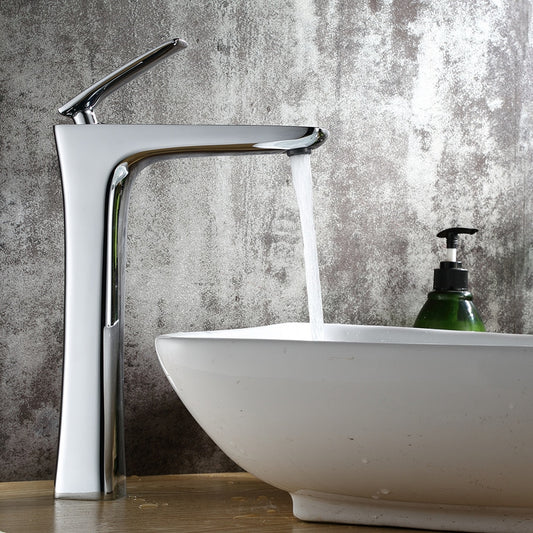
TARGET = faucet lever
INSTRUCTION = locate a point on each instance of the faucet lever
(81, 107)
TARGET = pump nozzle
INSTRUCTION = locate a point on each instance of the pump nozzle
(451, 236)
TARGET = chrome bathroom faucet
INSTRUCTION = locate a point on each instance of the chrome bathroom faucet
(98, 163)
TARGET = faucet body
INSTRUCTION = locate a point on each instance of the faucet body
(98, 164)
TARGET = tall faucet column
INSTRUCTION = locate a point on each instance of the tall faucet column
(79, 470)
(91, 463)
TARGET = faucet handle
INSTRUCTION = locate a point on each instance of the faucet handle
(81, 107)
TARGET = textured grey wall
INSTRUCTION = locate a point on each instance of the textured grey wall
(430, 109)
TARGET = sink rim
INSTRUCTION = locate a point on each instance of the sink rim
(383, 335)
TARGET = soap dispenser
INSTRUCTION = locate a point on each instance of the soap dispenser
(450, 305)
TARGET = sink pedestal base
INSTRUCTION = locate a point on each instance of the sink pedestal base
(322, 507)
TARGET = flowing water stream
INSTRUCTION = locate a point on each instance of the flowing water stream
(301, 177)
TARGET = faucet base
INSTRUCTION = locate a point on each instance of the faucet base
(119, 491)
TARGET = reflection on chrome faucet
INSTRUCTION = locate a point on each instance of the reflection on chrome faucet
(98, 163)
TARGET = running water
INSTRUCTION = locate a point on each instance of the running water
(301, 177)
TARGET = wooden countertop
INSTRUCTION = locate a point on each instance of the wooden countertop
(181, 503)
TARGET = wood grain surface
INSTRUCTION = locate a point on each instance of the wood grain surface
(180, 503)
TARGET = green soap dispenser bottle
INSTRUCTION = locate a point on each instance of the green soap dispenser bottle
(450, 305)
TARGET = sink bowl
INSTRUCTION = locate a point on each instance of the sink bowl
(372, 425)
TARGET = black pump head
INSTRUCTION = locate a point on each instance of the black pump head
(451, 235)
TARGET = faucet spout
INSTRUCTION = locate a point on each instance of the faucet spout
(98, 163)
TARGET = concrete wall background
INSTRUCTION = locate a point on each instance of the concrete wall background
(430, 112)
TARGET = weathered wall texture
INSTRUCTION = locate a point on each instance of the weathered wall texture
(430, 111)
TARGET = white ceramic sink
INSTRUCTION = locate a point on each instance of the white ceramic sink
(372, 425)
